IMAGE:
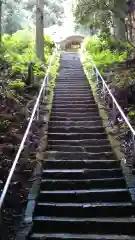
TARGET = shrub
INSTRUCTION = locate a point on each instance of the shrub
(16, 84)
(105, 51)
(19, 51)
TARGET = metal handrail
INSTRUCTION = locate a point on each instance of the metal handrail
(35, 109)
(115, 103)
(113, 98)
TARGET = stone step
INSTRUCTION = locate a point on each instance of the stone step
(75, 123)
(82, 173)
(74, 106)
(80, 210)
(78, 155)
(78, 164)
(75, 114)
(82, 88)
(85, 225)
(79, 129)
(75, 118)
(64, 101)
(84, 195)
(73, 95)
(67, 184)
(70, 110)
(71, 90)
(68, 86)
(73, 98)
(68, 92)
(76, 136)
(69, 236)
(83, 142)
(72, 79)
(81, 148)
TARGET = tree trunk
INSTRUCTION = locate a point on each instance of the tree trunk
(0, 21)
(40, 30)
(120, 8)
(119, 29)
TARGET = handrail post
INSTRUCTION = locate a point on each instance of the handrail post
(37, 115)
(133, 139)
(2, 229)
(97, 77)
(43, 94)
(46, 83)
(103, 90)
(114, 112)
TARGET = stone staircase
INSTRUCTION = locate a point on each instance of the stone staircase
(83, 193)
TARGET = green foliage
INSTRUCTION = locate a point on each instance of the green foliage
(53, 73)
(16, 84)
(18, 15)
(100, 14)
(131, 115)
(104, 51)
(19, 51)
(4, 124)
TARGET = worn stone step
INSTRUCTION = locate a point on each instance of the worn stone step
(73, 91)
(75, 123)
(80, 210)
(67, 184)
(75, 114)
(91, 164)
(64, 86)
(73, 78)
(79, 129)
(74, 106)
(82, 173)
(82, 111)
(73, 95)
(72, 88)
(71, 81)
(80, 82)
(75, 118)
(81, 196)
(69, 236)
(76, 136)
(85, 225)
(78, 105)
(73, 98)
(81, 148)
(82, 142)
(64, 101)
(78, 155)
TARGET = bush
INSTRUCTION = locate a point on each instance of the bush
(105, 51)
(19, 50)
(16, 84)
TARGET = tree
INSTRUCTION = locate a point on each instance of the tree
(53, 11)
(40, 29)
(0, 20)
(110, 13)
(17, 15)
(12, 16)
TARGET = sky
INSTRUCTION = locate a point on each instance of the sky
(67, 28)
(68, 21)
